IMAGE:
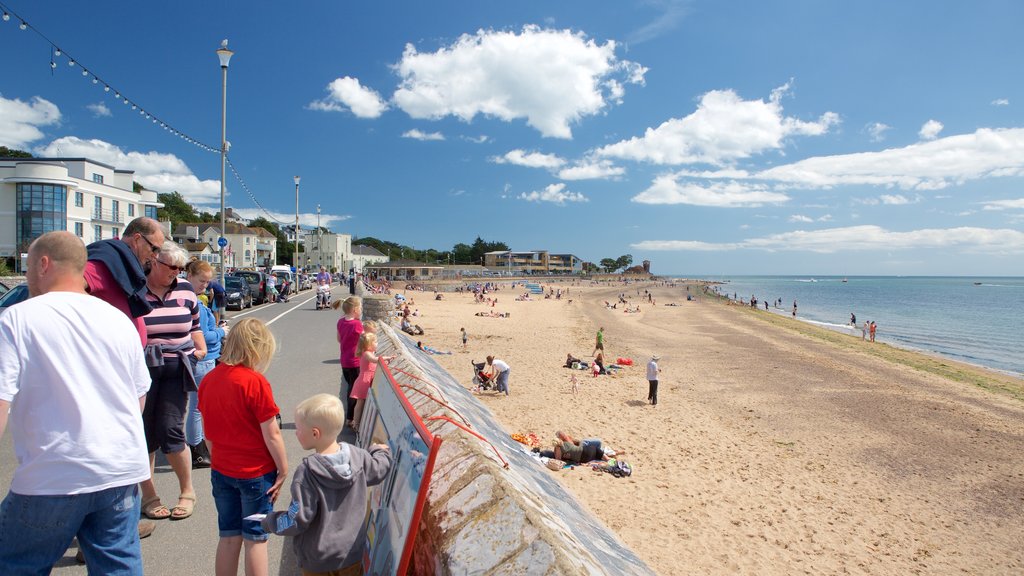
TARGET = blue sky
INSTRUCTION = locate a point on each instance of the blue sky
(712, 138)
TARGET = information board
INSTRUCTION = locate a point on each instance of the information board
(396, 504)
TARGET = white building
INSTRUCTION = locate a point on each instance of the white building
(363, 256)
(334, 251)
(90, 199)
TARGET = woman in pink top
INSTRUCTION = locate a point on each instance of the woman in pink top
(349, 329)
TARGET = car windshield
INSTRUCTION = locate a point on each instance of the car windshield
(235, 283)
(250, 276)
(17, 294)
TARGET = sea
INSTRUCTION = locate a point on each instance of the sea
(979, 321)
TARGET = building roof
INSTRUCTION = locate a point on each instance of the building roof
(362, 250)
(196, 246)
(404, 264)
(232, 228)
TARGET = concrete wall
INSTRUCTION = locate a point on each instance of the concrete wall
(480, 517)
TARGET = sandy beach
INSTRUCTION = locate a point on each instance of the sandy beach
(775, 448)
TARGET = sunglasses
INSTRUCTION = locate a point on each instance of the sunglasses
(175, 268)
(153, 247)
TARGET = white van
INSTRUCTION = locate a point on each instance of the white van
(284, 273)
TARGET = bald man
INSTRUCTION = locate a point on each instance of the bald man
(73, 377)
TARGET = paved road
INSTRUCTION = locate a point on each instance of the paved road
(306, 364)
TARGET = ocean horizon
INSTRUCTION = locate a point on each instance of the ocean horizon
(972, 319)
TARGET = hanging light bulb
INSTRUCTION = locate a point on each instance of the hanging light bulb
(95, 80)
(23, 26)
(53, 64)
(71, 62)
(85, 72)
(117, 95)
(106, 88)
(7, 17)
(57, 53)
(134, 106)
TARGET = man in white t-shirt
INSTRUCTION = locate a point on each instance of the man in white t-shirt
(501, 372)
(74, 394)
(652, 380)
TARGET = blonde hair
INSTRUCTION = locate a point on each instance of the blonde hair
(370, 326)
(323, 411)
(366, 340)
(251, 344)
(351, 303)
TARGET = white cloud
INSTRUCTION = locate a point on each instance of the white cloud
(931, 165)
(99, 109)
(1017, 204)
(861, 238)
(552, 78)
(306, 220)
(877, 131)
(671, 14)
(898, 199)
(723, 129)
(481, 139)
(348, 93)
(20, 121)
(800, 218)
(930, 130)
(154, 170)
(667, 190)
(554, 193)
(1000, 102)
(418, 135)
(530, 159)
(600, 170)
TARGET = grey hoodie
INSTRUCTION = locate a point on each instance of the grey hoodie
(327, 514)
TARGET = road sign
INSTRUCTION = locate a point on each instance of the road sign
(222, 242)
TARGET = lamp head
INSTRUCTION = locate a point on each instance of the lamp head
(296, 180)
(224, 54)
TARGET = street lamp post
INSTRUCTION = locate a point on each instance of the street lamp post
(319, 237)
(225, 57)
(295, 257)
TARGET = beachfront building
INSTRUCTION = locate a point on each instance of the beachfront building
(512, 263)
(404, 271)
(328, 249)
(248, 247)
(363, 256)
(93, 200)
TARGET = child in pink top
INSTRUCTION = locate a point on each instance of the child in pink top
(367, 351)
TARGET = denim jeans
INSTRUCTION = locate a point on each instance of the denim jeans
(502, 384)
(193, 419)
(36, 530)
(237, 498)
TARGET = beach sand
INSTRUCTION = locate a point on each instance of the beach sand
(772, 450)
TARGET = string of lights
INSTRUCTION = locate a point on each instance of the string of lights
(58, 54)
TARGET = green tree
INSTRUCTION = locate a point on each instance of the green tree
(285, 249)
(176, 209)
(6, 152)
(609, 264)
(461, 254)
(590, 267)
(624, 261)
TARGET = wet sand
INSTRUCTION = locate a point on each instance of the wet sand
(775, 448)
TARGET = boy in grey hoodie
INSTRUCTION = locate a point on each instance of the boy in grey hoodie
(329, 492)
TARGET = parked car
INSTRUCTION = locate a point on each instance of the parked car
(257, 284)
(13, 296)
(237, 294)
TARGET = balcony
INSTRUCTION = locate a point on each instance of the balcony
(108, 216)
(264, 246)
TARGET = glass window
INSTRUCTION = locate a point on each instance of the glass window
(116, 232)
(79, 199)
(97, 208)
(97, 178)
(97, 232)
(79, 229)
(40, 208)
(131, 210)
(115, 207)
(150, 212)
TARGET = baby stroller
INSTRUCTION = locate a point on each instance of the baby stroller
(323, 296)
(481, 379)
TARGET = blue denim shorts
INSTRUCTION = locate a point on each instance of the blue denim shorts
(237, 498)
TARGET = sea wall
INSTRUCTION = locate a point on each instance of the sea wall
(491, 508)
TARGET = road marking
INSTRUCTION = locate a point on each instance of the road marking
(275, 318)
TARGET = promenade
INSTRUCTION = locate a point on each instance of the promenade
(306, 364)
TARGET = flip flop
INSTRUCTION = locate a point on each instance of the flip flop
(182, 511)
(154, 510)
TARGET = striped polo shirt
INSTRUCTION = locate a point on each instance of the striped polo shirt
(175, 318)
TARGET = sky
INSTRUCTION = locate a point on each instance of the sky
(710, 137)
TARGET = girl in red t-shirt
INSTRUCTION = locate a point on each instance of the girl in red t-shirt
(247, 453)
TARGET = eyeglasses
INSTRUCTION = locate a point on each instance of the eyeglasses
(175, 268)
(154, 247)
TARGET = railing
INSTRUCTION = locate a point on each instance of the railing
(107, 216)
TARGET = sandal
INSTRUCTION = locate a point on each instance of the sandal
(154, 510)
(182, 511)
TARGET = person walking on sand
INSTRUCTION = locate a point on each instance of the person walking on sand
(599, 345)
(464, 338)
(652, 379)
(73, 394)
